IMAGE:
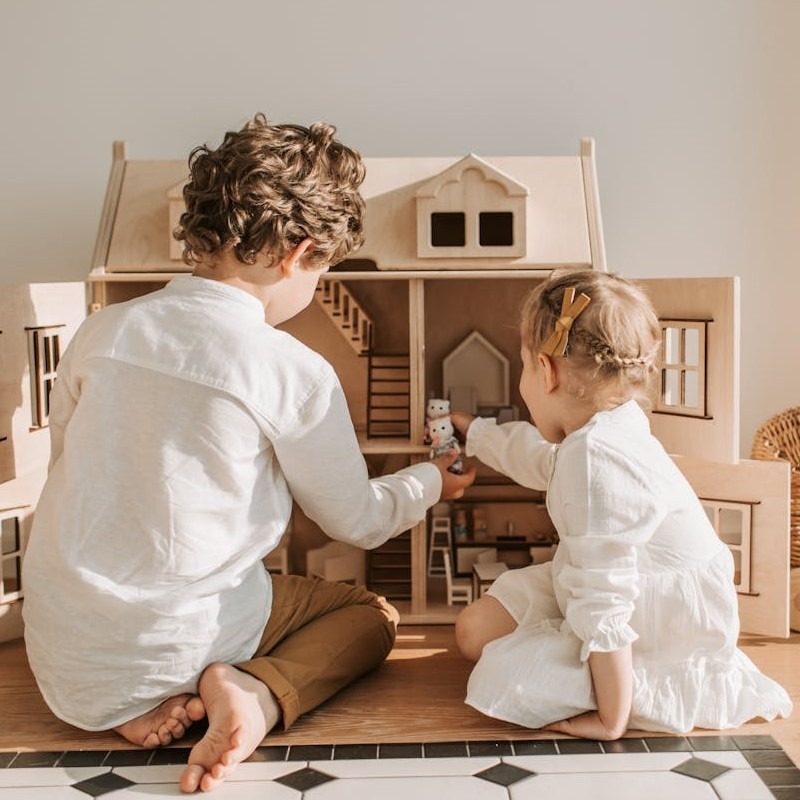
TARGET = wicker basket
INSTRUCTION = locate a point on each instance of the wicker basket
(779, 439)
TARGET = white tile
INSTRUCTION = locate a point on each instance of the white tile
(432, 788)
(47, 776)
(244, 790)
(741, 785)
(600, 762)
(42, 793)
(728, 758)
(613, 786)
(158, 773)
(403, 767)
(268, 770)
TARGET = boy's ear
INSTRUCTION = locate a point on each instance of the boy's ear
(292, 258)
(548, 365)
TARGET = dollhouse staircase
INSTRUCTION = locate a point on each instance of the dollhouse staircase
(389, 568)
(347, 315)
(388, 375)
(389, 389)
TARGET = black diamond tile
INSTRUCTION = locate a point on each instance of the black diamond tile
(505, 774)
(756, 743)
(83, 758)
(574, 747)
(767, 758)
(701, 769)
(268, 753)
(712, 742)
(781, 776)
(43, 759)
(102, 784)
(446, 750)
(625, 746)
(490, 749)
(535, 747)
(345, 751)
(400, 751)
(6, 759)
(304, 779)
(170, 755)
(128, 758)
(310, 752)
(667, 744)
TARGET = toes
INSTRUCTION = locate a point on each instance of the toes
(151, 740)
(195, 709)
(191, 778)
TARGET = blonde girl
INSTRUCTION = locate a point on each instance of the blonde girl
(634, 623)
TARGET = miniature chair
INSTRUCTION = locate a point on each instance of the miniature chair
(459, 590)
(441, 542)
(778, 439)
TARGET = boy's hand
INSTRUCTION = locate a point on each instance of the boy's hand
(461, 421)
(453, 486)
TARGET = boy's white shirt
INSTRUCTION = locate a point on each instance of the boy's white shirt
(144, 563)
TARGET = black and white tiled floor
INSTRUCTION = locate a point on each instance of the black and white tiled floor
(650, 768)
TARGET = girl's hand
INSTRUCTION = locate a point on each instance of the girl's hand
(461, 421)
(453, 485)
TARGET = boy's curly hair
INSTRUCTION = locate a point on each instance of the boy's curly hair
(268, 187)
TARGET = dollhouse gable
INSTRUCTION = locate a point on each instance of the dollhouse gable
(471, 209)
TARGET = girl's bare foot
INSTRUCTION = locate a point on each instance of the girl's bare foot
(241, 711)
(165, 723)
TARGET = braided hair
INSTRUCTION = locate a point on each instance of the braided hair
(615, 339)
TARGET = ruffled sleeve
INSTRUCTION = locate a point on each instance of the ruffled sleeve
(608, 514)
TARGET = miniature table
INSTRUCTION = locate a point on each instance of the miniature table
(484, 574)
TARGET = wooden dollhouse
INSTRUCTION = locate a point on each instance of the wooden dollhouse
(36, 323)
(429, 308)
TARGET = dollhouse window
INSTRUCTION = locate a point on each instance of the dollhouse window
(733, 523)
(495, 229)
(682, 387)
(44, 353)
(448, 229)
(10, 559)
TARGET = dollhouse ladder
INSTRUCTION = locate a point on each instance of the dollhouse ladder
(389, 402)
(440, 553)
(347, 315)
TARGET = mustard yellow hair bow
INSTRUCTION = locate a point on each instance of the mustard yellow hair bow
(556, 344)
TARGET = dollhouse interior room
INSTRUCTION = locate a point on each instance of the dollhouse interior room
(423, 319)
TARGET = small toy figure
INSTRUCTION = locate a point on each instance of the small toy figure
(435, 408)
(443, 439)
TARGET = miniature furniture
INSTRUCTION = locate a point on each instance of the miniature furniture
(459, 590)
(484, 574)
(441, 544)
(336, 561)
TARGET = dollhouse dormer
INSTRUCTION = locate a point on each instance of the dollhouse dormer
(471, 209)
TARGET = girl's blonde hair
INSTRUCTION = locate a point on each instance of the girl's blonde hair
(614, 340)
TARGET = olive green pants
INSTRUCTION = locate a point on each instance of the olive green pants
(319, 638)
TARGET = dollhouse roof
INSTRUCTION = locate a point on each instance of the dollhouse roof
(455, 173)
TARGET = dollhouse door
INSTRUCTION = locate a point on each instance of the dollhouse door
(695, 414)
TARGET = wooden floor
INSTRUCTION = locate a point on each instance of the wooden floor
(416, 696)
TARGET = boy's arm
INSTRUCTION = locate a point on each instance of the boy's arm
(62, 405)
(612, 678)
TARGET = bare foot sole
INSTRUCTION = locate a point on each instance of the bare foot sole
(241, 711)
(165, 723)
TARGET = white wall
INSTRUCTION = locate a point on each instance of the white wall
(693, 105)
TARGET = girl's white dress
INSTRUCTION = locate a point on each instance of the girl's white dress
(638, 563)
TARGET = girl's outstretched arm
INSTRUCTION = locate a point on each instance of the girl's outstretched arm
(612, 676)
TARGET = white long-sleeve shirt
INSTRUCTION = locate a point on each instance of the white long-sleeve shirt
(182, 425)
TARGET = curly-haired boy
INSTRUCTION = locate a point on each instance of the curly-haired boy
(183, 426)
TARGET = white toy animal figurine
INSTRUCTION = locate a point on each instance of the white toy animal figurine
(443, 439)
(435, 408)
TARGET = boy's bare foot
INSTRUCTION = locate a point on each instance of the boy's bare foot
(165, 723)
(241, 711)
